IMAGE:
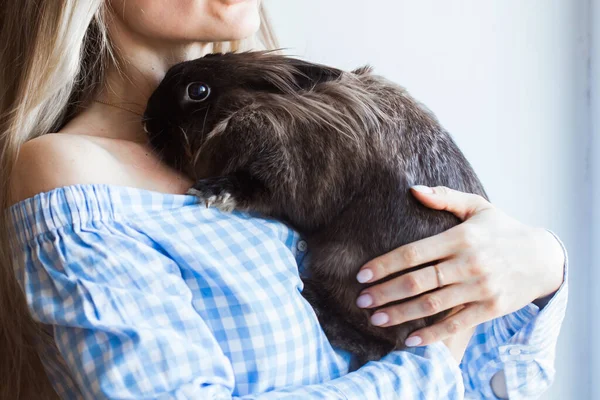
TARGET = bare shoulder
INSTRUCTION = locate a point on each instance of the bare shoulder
(56, 160)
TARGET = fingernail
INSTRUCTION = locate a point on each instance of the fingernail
(364, 276)
(364, 300)
(413, 341)
(379, 318)
(423, 189)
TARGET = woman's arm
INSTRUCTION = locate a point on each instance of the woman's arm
(421, 373)
(513, 356)
(127, 329)
(490, 265)
(498, 272)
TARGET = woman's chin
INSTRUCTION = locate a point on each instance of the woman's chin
(241, 28)
(236, 19)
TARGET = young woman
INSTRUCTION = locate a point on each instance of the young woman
(132, 290)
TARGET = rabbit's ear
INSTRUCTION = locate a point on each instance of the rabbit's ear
(307, 75)
(269, 72)
(364, 70)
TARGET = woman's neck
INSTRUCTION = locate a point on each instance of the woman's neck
(123, 98)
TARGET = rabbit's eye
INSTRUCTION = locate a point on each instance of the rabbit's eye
(198, 91)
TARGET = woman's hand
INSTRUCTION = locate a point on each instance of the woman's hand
(490, 264)
(458, 342)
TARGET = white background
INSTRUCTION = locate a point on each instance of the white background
(510, 80)
(594, 23)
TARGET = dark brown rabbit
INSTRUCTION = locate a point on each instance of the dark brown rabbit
(332, 153)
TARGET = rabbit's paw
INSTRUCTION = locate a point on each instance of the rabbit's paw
(216, 192)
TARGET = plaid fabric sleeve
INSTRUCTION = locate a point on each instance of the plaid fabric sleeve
(123, 320)
(124, 323)
(516, 351)
(426, 373)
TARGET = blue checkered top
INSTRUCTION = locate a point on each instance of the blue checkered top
(153, 296)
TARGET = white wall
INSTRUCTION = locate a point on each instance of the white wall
(594, 133)
(508, 78)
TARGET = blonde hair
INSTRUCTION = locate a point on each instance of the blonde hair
(53, 58)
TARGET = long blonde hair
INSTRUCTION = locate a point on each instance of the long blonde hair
(53, 58)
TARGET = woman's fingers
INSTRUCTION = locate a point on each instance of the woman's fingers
(411, 255)
(472, 315)
(402, 287)
(415, 283)
(424, 306)
(461, 204)
(434, 248)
